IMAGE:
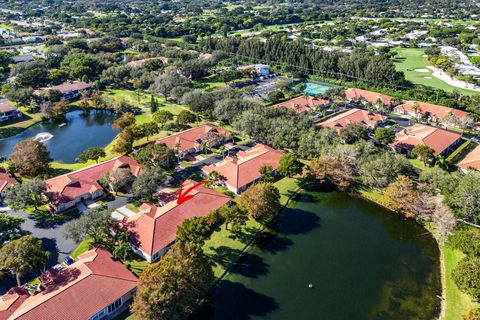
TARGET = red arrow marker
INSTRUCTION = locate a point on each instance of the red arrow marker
(184, 196)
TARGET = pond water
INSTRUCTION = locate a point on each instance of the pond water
(66, 143)
(362, 261)
(317, 88)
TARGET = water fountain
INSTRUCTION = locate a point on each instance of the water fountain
(43, 136)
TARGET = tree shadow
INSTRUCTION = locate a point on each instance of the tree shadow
(245, 236)
(223, 255)
(250, 265)
(272, 243)
(234, 301)
(47, 220)
(296, 221)
(50, 245)
(54, 280)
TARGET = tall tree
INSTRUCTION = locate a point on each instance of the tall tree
(22, 256)
(30, 157)
(329, 172)
(289, 165)
(261, 202)
(95, 223)
(423, 152)
(124, 121)
(22, 196)
(193, 232)
(9, 226)
(93, 153)
(146, 185)
(174, 286)
(234, 216)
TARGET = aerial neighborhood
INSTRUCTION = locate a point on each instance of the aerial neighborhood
(212, 159)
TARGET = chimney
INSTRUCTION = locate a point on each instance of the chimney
(234, 160)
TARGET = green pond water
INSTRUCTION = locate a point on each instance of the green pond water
(363, 262)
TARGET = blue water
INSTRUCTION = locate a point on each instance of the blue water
(81, 132)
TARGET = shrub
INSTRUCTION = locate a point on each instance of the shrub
(466, 276)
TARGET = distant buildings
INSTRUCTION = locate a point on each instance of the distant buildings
(8, 111)
(70, 90)
(154, 228)
(430, 111)
(303, 104)
(259, 70)
(194, 139)
(241, 171)
(66, 191)
(6, 180)
(94, 287)
(365, 118)
(440, 140)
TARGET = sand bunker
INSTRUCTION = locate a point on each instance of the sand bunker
(428, 77)
(422, 70)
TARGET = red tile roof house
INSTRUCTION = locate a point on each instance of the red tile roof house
(67, 190)
(6, 180)
(190, 140)
(365, 96)
(366, 118)
(440, 140)
(94, 287)
(243, 170)
(430, 111)
(471, 161)
(70, 90)
(302, 104)
(8, 111)
(154, 228)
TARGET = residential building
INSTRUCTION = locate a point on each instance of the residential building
(365, 96)
(195, 139)
(241, 171)
(259, 70)
(440, 140)
(68, 190)
(71, 89)
(471, 160)
(154, 228)
(366, 118)
(6, 180)
(8, 111)
(303, 104)
(430, 112)
(94, 287)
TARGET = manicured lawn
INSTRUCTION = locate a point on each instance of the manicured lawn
(287, 186)
(84, 246)
(372, 195)
(136, 264)
(460, 153)
(458, 303)
(132, 207)
(417, 163)
(410, 59)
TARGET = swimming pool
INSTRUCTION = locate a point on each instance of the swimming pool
(317, 88)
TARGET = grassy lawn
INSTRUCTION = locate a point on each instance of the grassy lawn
(458, 303)
(417, 163)
(287, 186)
(136, 264)
(372, 195)
(132, 207)
(460, 153)
(82, 247)
(410, 59)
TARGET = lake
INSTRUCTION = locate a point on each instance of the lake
(66, 143)
(362, 261)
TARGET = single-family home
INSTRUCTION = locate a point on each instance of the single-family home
(154, 227)
(94, 287)
(303, 104)
(195, 139)
(8, 111)
(366, 118)
(440, 140)
(242, 170)
(66, 191)
(431, 112)
(70, 89)
(259, 70)
(365, 96)
(6, 180)
(471, 160)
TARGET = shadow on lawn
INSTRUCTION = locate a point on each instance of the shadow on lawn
(248, 264)
(46, 220)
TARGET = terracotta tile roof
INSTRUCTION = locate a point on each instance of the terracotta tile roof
(244, 169)
(302, 103)
(363, 117)
(6, 106)
(154, 228)
(6, 179)
(67, 187)
(70, 86)
(472, 160)
(436, 111)
(190, 138)
(435, 138)
(369, 96)
(76, 292)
